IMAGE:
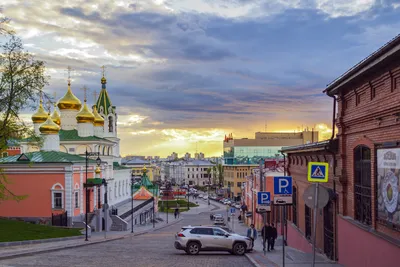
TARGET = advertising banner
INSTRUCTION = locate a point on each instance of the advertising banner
(388, 173)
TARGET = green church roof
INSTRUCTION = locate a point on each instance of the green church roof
(44, 157)
(103, 103)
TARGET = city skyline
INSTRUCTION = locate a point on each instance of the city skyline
(183, 73)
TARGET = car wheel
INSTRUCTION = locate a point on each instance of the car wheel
(193, 248)
(239, 249)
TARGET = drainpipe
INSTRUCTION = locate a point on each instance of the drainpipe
(334, 174)
(285, 207)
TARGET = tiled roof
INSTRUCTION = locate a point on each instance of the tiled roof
(43, 157)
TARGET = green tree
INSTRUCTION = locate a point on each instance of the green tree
(21, 79)
(220, 172)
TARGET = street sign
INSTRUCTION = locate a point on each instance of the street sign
(318, 172)
(263, 202)
(233, 210)
(283, 190)
(263, 198)
(309, 197)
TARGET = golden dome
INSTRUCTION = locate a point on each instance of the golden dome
(98, 120)
(85, 115)
(41, 115)
(144, 168)
(69, 101)
(49, 127)
(97, 171)
(103, 80)
(56, 116)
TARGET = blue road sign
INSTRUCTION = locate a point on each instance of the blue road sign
(233, 210)
(318, 172)
(283, 185)
(264, 198)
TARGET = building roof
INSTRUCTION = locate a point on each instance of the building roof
(376, 57)
(103, 104)
(199, 162)
(136, 161)
(72, 135)
(43, 157)
(311, 147)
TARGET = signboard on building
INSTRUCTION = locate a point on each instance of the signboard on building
(388, 174)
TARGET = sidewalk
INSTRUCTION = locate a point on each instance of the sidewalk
(293, 258)
(97, 237)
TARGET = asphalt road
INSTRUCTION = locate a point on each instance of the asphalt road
(147, 250)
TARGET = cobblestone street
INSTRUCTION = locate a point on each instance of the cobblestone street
(151, 249)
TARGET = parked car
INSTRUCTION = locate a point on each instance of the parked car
(237, 206)
(206, 238)
(219, 221)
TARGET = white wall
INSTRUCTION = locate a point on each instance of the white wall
(120, 186)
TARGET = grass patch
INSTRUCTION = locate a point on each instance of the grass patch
(171, 211)
(173, 204)
(11, 230)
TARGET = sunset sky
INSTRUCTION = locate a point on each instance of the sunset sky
(187, 72)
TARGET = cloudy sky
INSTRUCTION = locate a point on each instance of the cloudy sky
(182, 73)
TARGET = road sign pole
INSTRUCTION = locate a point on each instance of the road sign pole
(283, 238)
(315, 222)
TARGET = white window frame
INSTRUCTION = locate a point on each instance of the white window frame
(54, 191)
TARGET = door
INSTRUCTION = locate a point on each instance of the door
(206, 237)
(221, 240)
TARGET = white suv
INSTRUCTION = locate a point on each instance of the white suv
(207, 238)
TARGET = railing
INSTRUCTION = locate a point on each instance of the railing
(129, 212)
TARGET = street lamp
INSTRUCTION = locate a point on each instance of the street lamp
(104, 182)
(132, 180)
(98, 162)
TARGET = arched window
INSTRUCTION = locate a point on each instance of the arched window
(362, 184)
(110, 124)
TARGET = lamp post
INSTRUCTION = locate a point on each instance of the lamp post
(209, 184)
(98, 162)
(132, 180)
(188, 196)
(104, 182)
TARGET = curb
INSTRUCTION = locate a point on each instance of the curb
(38, 241)
(30, 253)
(253, 261)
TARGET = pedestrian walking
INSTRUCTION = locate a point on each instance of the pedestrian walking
(266, 234)
(252, 234)
(274, 235)
(176, 213)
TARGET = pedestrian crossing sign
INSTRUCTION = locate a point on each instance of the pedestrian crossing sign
(318, 172)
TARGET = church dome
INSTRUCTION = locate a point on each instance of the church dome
(69, 101)
(41, 115)
(85, 115)
(98, 120)
(56, 116)
(49, 127)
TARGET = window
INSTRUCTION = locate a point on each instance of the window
(205, 231)
(188, 175)
(362, 184)
(98, 197)
(294, 206)
(239, 184)
(57, 198)
(219, 232)
(110, 124)
(76, 200)
(5, 154)
(307, 212)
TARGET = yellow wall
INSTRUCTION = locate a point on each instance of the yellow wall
(235, 174)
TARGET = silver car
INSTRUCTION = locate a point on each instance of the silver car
(194, 239)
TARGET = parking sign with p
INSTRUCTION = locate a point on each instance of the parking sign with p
(283, 190)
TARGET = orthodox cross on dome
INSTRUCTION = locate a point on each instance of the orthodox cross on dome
(103, 70)
(55, 98)
(95, 96)
(69, 69)
(41, 96)
(48, 105)
(85, 89)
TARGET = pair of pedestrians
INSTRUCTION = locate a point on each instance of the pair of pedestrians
(269, 235)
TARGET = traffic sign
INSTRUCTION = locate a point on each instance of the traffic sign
(263, 201)
(263, 198)
(310, 195)
(283, 190)
(233, 210)
(318, 172)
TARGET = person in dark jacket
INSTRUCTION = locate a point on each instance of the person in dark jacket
(274, 235)
(266, 234)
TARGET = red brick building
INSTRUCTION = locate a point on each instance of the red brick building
(361, 224)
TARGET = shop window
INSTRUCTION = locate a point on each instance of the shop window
(362, 184)
(307, 217)
(239, 184)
